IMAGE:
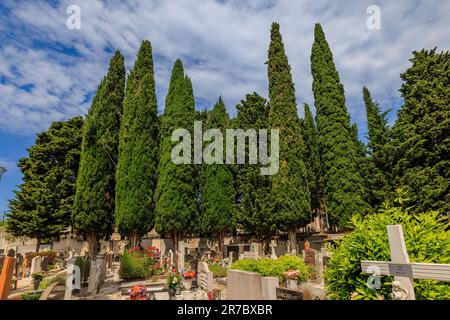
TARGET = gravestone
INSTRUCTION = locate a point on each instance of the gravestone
(97, 274)
(36, 265)
(180, 256)
(205, 278)
(44, 263)
(171, 257)
(6, 277)
(244, 285)
(268, 287)
(73, 279)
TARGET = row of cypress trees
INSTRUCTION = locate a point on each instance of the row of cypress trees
(127, 180)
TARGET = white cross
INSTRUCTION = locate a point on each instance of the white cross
(400, 267)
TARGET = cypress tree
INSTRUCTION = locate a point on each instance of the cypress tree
(93, 211)
(217, 189)
(421, 143)
(254, 207)
(289, 185)
(312, 160)
(138, 150)
(343, 187)
(176, 191)
(41, 208)
(377, 168)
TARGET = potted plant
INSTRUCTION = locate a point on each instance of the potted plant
(173, 282)
(138, 292)
(37, 278)
(188, 276)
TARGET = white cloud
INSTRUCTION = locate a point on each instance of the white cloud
(224, 47)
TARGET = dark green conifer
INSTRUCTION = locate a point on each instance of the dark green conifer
(289, 186)
(138, 150)
(93, 212)
(343, 189)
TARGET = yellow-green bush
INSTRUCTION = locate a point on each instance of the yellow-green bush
(427, 239)
(274, 268)
(133, 267)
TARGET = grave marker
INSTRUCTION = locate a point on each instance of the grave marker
(36, 265)
(6, 277)
(404, 271)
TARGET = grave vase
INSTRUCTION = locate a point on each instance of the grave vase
(172, 293)
(292, 284)
(187, 284)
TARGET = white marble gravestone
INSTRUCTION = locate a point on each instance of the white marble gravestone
(36, 265)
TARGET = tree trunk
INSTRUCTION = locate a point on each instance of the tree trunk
(92, 240)
(134, 239)
(292, 234)
(221, 238)
(38, 244)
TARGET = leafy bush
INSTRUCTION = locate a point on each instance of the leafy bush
(30, 296)
(46, 282)
(218, 271)
(133, 267)
(427, 239)
(274, 268)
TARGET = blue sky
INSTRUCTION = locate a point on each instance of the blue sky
(49, 72)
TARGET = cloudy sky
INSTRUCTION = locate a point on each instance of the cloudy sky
(49, 72)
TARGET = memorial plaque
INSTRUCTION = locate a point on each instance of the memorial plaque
(400, 270)
(286, 294)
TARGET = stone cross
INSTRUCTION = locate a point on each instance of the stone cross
(272, 246)
(404, 271)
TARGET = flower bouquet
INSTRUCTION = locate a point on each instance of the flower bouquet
(173, 282)
(138, 292)
(188, 276)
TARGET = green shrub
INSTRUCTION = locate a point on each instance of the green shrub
(133, 267)
(218, 271)
(46, 282)
(427, 239)
(30, 296)
(274, 268)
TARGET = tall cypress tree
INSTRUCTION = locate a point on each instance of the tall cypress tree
(138, 150)
(93, 211)
(176, 191)
(217, 188)
(312, 160)
(289, 185)
(377, 169)
(41, 208)
(254, 207)
(343, 187)
(421, 143)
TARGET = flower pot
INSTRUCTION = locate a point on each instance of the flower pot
(36, 284)
(172, 293)
(187, 284)
(292, 284)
